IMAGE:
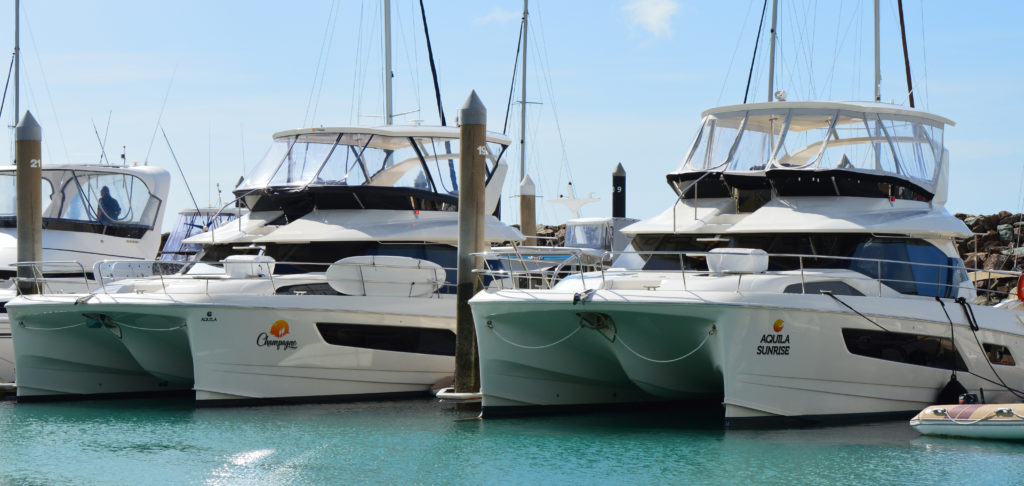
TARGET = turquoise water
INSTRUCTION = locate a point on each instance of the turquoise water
(421, 442)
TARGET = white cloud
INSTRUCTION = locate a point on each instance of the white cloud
(654, 16)
(499, 16)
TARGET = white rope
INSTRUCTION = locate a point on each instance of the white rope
(968, 422)
(182, 326)
(687, 355)
(23, 326)
(991, 414)
(495, 331)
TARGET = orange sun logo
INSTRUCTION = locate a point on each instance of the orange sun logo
(777, 326)
(280, 328)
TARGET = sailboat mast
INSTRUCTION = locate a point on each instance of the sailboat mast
(878, 63)
(17, 60)
(388, 102)
(771, 52)
(522, 121)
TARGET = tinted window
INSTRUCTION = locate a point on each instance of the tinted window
(915, 266)
(389, 338)
(915, 349)
(834, 287)
(999, 354)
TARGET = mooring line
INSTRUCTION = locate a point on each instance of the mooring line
(660, 361)
(490, 326)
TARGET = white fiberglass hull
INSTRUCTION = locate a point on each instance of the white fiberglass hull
(6, 351)
(8, 292)
(62, 355)
(725, 343)
(272, 350)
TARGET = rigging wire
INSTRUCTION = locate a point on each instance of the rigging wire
(512, 85)
(924, 54)
(732, 59)
(546, 64)
(353, 112)
(321, 66)
(440, 108)
(415, 75)
(160, 116)
(433, 67)
(906, 56)
(46, 85)
(753, 58)
(182, 172)
(10, 69)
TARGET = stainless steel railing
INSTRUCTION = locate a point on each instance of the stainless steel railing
(520, 270)
(110, 275)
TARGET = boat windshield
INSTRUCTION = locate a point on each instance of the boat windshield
(596, 235)
(351, 159)
(100, 197)
(892, 144)
(9, 195)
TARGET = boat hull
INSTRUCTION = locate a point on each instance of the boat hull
(6, 351)
(63, 355)
(274, 351)
(767, 356)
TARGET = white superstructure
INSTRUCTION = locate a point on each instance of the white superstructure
(332, 286)
(807, 270)
(74, 231)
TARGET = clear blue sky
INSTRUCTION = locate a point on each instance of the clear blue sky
(615, 81)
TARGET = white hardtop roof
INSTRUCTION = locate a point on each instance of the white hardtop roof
(156, 178)
(401, 131)
(118, 169)
(859, 106)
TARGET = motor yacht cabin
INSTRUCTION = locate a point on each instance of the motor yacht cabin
(348, 244)
(807, 269)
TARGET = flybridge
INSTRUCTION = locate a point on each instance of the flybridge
(816, 149)
(389, 167)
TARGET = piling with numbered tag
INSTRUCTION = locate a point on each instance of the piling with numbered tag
(28, 138)
(472, 170)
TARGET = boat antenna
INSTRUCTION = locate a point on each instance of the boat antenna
(878, 63)
(103, 141)
(437, 95)
(753, 58)
(906, 57)
(771, 51)
(183, 178)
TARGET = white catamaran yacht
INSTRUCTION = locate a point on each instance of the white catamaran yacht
(807, 269)
(76, 233)
(332, 286)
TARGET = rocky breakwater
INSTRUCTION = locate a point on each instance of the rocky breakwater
(998, 244)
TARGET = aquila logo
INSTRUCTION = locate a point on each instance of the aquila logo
(774, 344)
(280, 328)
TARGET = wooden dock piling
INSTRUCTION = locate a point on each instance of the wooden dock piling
(28, 158)
(472, 169)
